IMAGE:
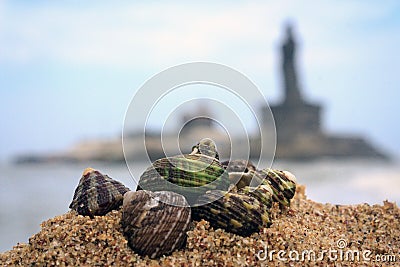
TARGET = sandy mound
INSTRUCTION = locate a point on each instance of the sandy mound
(308, 233)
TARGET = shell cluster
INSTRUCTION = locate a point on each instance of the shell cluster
(239, 202)
(231, 195)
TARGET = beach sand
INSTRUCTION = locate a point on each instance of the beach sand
(335, 233)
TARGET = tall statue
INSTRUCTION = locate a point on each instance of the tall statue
(292, 92)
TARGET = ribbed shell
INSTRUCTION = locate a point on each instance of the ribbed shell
(190, 175)
(262, 193)
(97, 194)
(235, 212)
(282, 183)
(153, 227)
(246, 211)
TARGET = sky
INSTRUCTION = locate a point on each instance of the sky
(68, 70)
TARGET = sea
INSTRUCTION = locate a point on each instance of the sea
(33, 193)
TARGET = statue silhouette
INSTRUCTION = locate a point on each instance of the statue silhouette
(292, 92)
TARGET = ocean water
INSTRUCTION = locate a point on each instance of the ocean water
(32, 193)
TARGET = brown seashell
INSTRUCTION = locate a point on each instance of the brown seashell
(97, 194)
(153, 227)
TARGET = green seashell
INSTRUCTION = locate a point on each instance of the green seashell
(189, 175)
(187, 171)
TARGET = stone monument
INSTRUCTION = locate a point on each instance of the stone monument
(298, 122)
(294, 117)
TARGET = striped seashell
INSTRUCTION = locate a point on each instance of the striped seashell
(245, 209)
(237, 213)
(243, 174)
(282, 183)
(153, 227)
(262, 193)
(97, 194)
(189, 175)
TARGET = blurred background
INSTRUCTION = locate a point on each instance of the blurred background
(68, 72)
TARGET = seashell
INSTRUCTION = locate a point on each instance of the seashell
(282, 183)
(245, 209)
(187, 171)
(190, 175)
(97, 194)
(241, 173)
(262, 193)
(239, 165)
(153, 227)
(207, 147)
(237, 213)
